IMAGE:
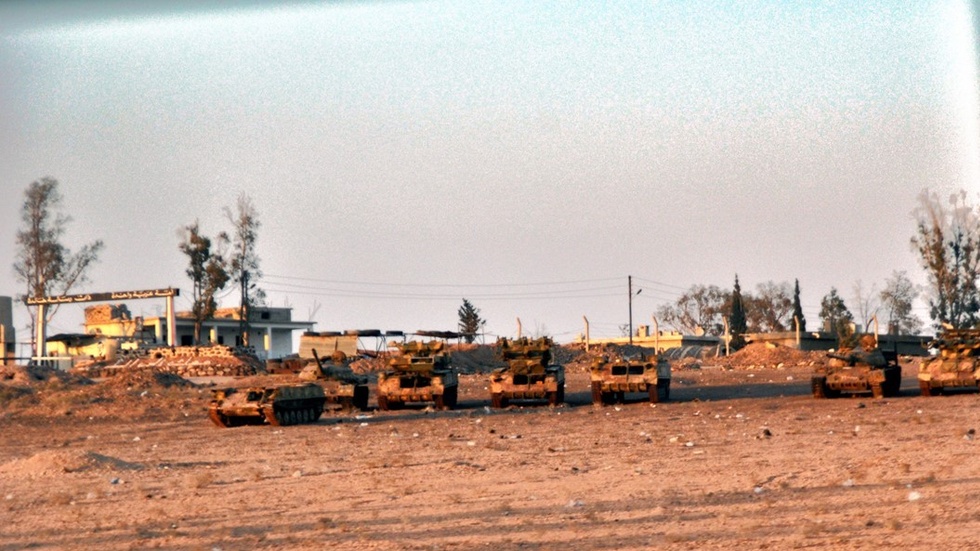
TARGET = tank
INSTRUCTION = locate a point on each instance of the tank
(529, 374)
(418, 372)
(273, 405)
(956, 364)
(614, 375)
(862, 370)
(343, 388)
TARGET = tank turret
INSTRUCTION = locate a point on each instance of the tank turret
(418, 372)
(956, 364)
(529, 374)
(862, 369)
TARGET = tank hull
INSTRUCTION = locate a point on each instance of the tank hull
(281, 405)
(397, 388)
(611, 382)
(507, 386)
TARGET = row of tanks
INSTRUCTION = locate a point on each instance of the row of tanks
(421, 373)
(867, 368)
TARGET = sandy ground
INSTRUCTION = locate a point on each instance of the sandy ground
(737, 459)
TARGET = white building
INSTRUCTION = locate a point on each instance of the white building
(271, 331)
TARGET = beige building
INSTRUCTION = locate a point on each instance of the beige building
(109, 327)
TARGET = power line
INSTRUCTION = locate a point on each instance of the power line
(347, 293)
(439, 285)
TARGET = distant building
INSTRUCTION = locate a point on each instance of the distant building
(109, 326)
(662, 341)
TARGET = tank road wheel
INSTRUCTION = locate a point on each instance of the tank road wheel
(597, 398)
(361, 398)
(497, 400)
(382, 402)
(819, 387)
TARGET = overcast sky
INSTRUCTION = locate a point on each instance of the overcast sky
(528, 156)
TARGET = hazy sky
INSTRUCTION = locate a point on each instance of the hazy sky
(525, 155)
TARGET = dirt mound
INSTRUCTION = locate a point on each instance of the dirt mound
(38, 374)
(49, 463)
(476, 358)
(147, 379)
(767, 355)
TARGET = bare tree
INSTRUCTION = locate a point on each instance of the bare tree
(700, 308)
(208, 272)
(867, 303)
(947, 239)
(243, 264)
(897, 299)
(770, 309)
(43, 262)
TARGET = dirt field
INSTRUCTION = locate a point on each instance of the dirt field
(739, 458)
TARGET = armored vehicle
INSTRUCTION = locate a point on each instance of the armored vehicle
(615, 375)
(957, 365)
(420, 372)
(864, 369)
(275, 405)
(529, 374)
(342, 387)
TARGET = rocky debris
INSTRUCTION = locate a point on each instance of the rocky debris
(769, 356)
(184, 361)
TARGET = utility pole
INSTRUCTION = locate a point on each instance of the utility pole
(629, 280)
(638, 291)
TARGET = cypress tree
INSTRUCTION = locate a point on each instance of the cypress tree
(736, 320)
(798, 308)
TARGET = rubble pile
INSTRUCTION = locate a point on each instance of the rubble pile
(475, 358)
(184, 361)
(768, 356)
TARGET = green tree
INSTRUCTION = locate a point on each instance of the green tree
(43, 263)
(243, 263)
(207, 270)
(897, 299)
(469, 321)
(798, 307)
(835, 314)
(947, 239)
(736, 320)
